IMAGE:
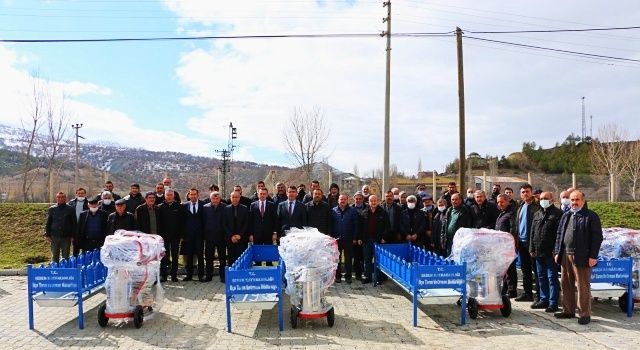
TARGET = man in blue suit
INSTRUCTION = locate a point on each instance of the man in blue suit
(263, 221)
(235, 220)
(214, 235)
(291, 213)
(192, 232)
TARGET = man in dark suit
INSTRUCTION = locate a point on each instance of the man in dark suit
(147, 215)
(263, 221)
(214, 235)
(235, 221)
(394, 211)
(246, 201)
(92, 228)
(256, 196)
(192, 233)
(171, 218)
(319, 213)
(525, 212)
(291, 213)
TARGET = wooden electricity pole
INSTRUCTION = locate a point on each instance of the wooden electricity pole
(461, 165)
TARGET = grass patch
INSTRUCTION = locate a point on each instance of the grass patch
(22, 229)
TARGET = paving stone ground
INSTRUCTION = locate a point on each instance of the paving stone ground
(193, 317)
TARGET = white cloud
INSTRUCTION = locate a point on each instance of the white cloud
(511, 97)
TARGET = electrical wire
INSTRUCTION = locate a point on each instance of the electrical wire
(552, 30)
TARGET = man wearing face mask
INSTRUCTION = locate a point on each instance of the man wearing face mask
(543, 239)
(361, 207)
(394, 211)
(429, 211)
(396, 194)
(159, 193)
(438, 234)
(107, 203)
(414, 223)
(470, 200)
(92, 228)
(79, 204)
(576, 249)
(565, 202)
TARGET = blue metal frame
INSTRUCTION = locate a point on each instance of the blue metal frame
(616, 271)
(416, 269)
(242, 278)
(78, 275)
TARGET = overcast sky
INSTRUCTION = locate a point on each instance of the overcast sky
(181, 95)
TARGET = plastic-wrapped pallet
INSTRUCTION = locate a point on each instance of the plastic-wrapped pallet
(620, 243)
(488, 254)
(311, 259)
(133, 262)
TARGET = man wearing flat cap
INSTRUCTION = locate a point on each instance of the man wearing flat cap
(92, 228)
(120, 219)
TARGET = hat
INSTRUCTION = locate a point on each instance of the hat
(411, 198)
(426, 196)
(94, 200)
(121, 201)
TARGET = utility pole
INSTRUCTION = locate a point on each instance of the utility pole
(584, 122)
(387, 98)
(75, 178)
(591, 128)
(226, 155)
(461, 156)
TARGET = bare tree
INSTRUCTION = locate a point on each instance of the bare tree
(305, 136)
(632, 168)
(608, 153)
(53, 142)
(30, 129)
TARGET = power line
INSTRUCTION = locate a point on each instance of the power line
(553, 49)
(552, 30)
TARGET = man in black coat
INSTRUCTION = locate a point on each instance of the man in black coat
(235, 221)
(413, 222)
(484, 213)
(148, 215)
(542, 241)
(375, 229)
(134, 198)
(577, 247)
(505, 223)
(291, 213)
(171, 218)
(214, 235)
(80, 203)
(193, 225)
(281, 194)
(92, 228)
(523, 220)
(60, 229)
(319, 213)
(263, 221)
(457, 216)
(120, 219)
(256, 195)
(394, 211)
(246, 201)
(438, 234)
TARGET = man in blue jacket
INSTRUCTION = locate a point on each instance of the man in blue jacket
(345, 226)
(214, 235)
(577, 247)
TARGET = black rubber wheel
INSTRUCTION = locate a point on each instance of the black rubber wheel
(331, 317)
(102, 318)
(472, 307)
(622, 302)
(459, 302)
(138, 316)
(505, 310)
(294, 317)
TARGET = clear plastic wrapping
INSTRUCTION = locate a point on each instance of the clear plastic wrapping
(311, 259)
(488, 254)
(133, 262)
(620, 243)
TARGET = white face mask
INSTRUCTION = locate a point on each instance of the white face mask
(470, 195)
(411, 205)
(80, 198)
(94, 209)
(565, 201)
(575, 210)
(545, 203)
(106, 201)
(442, 208)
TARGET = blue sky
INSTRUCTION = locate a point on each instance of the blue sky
(180, 95)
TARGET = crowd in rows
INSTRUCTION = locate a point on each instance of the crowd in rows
(545, 235)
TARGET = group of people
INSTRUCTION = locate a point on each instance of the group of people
(546, 236)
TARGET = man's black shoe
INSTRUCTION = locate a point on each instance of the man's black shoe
(524, 297)
(187, 279)
(563, 315)
(540, 305)
(207, 279)
(552, 308)
(513, 294)
(338, 279)
(163, 279)
(348, 280)
(174, 279)
(366, 280)
(584, 320)
(359, 277)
